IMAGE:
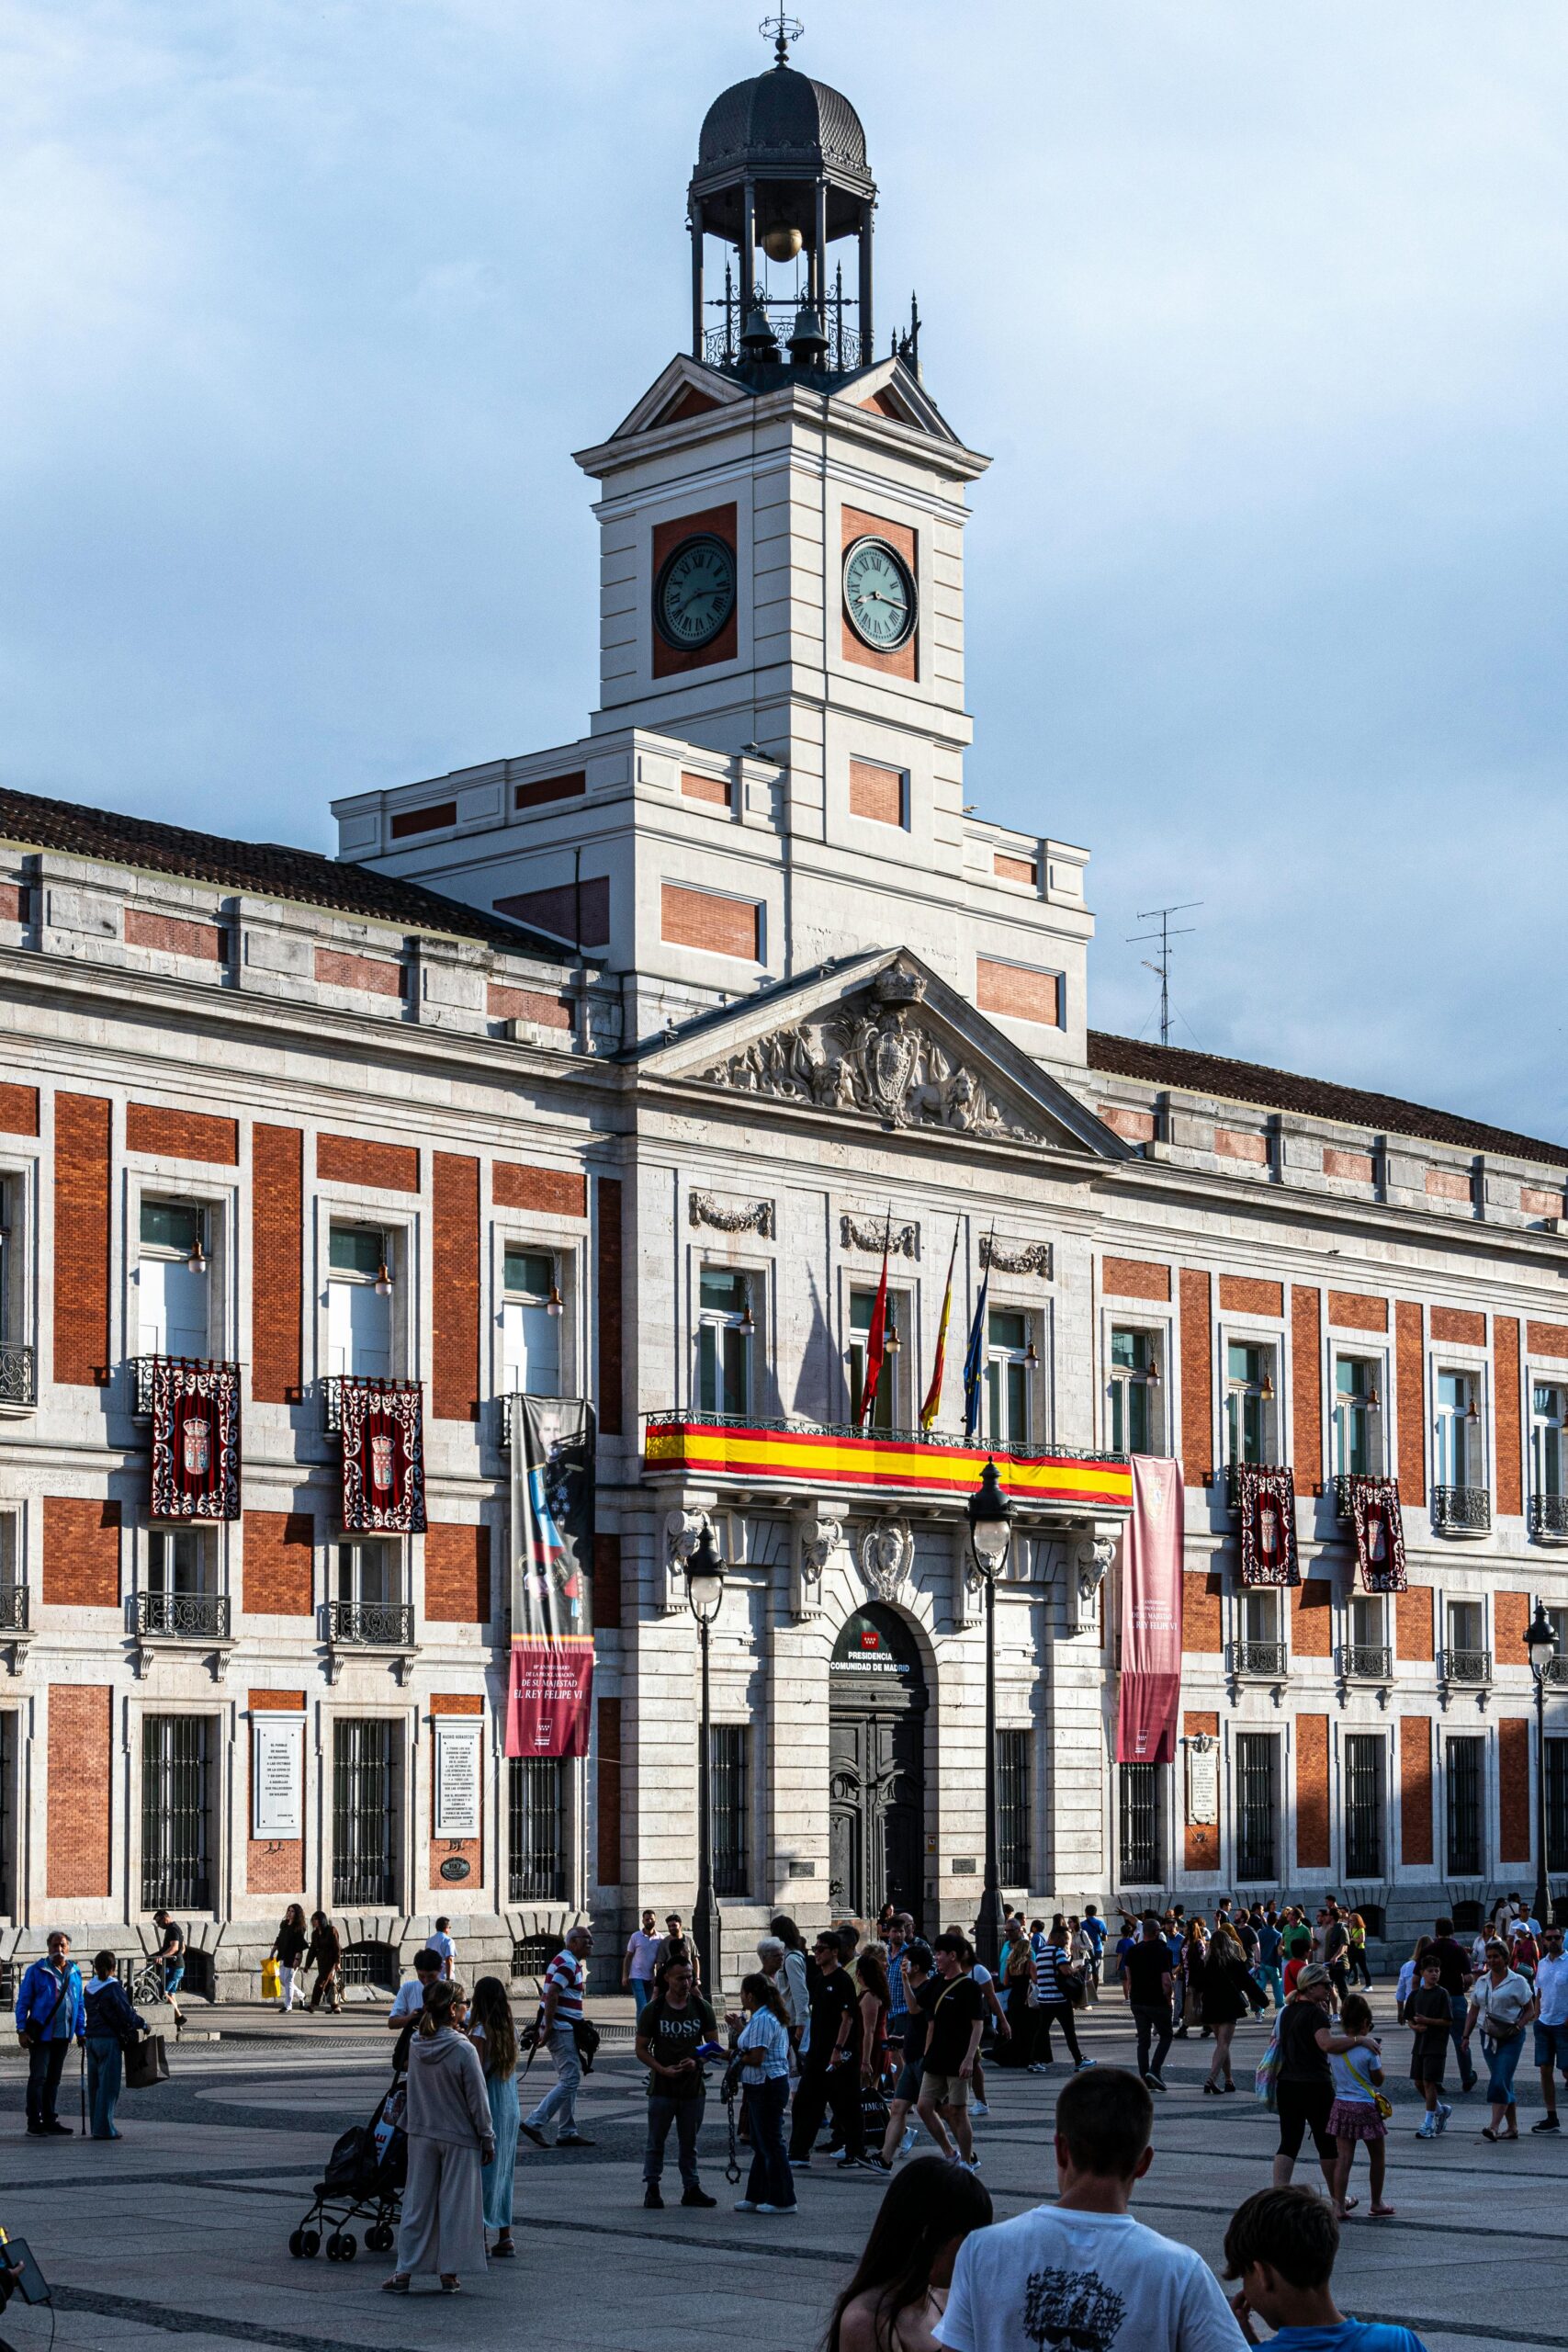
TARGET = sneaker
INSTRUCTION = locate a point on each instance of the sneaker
(651, 2197)
(780, 2210)
(1444, 2111)
(1039, 2067)
(909, 2140)
(800, 2164)
(1083, 2064)
(978, 2107)
(1428, 2129)
(1547, 2123)
(574, 2140)
(876, 2163)
(532, 2132)
(697, 2196)
(744, 2205)
(57, 2130)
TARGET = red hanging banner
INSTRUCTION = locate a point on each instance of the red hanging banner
(1378, 1523)
(383, 1457)
(196, 1440)
(1265, 1505)
(1150, 1686)
(549, 1698)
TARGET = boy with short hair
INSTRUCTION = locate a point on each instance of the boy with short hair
(1428, 2012)
(1083, 2265)
(441, 1942)
(1281, 2246)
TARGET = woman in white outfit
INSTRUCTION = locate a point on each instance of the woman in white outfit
(451, 2139)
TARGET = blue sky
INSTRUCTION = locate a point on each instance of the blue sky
(1260, 311)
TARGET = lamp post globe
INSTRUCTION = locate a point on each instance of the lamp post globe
(704, 1592)
(990, 1533)
(1541, 1649)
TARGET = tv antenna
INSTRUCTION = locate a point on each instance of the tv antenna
(1165, 934)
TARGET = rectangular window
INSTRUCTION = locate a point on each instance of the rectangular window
(363, 1820)
(724, 1329)
(884, 1409)
(731, 1808)
(1009, 1360)
(1356, 1402)
(175, 1869)
(1457, 1460)
(1249, 1390)
(1557, 1804)
(1367, 1622)
(530, 1324)
(172, 1280)
(1464, 1781)
(368, 1574)
(10, 1260)
(1467, 1625)
(1363, 1805)
(1138, 1840)
(1013, 1755)
(359, 1302)
(537, 1819)
(1257, 1805)
(176, 1561)
(1134, 1376)
(1548, 1411)
(1260, 1616)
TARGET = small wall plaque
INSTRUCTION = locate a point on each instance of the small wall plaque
(455, 1866)
(964, 1867)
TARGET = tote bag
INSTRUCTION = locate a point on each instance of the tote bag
(146, 2063)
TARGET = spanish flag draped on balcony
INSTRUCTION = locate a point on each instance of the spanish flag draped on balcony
(932, 1405)
(877, 1338)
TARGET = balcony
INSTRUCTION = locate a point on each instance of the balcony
(18, 1376)
(1364, 1662)
(1462, 1510)
(1258, 1661)
(1548, 1519)
(1557, 1670)
(333, 1385)
(817, 1457)
(181, 1616)
(1473, 1668)
(15, 1632)
(1233, 1495)
(143, 1367)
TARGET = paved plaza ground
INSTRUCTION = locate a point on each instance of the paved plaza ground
(181, 2230)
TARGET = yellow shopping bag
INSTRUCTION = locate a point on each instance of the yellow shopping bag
(272, 1980)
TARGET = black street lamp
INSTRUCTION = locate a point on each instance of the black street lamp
(704, 1590)
(1541, 1649)
(990, 1533)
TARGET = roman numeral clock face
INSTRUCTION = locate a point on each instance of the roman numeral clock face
(879, 595)
(695, 595)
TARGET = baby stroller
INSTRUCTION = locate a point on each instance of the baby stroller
(365, 2177)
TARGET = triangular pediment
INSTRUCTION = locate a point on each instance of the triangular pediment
(891, 389)
(684, 389)
(882, 1037)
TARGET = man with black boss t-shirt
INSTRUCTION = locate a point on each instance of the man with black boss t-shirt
(830, 2072)
(954, 2039)
(673, 2027)
(1146, 1973)
(1455, 1974)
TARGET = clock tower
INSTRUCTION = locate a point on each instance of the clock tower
(774, 772)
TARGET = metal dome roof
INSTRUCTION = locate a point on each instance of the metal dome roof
(781, 116)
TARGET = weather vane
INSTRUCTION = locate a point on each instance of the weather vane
(781, 30)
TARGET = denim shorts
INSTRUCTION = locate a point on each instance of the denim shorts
(1551, 2046)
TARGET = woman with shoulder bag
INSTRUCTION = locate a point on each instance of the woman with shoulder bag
(289, 1948)
(112, 2025)
(1223, 2005)
(1017, 1980)
(1503, 2003)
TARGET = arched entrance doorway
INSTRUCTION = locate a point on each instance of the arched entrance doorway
(877, 1699)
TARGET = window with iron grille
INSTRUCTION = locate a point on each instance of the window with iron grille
(363, 1843)
(536, 1814)
(1464, 1763)
(1256, 1807)
(1363, 1805)
(1012, 1806)
(372, 1964)
(731, 1808)
(175, 1870)
(1139, 1824)
(1557, 1804)
(531, 1955)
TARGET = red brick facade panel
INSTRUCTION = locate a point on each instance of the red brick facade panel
(1230, 1143)
(457, 1703)
(606, 1582)
(552, 1191)
(285, 1702)
(1312, 1792)
(81, 1553)
(607, 1298)
(456, 1573)
(273, 1865)
(279, 1574)
(1135, 1278)
(1018, 991)
(1246, 1294)
(18, 1110)
(527, 1004)
(431, 819)
(173, 935)
(1196, 1380)
(1415, 1788)
(705, 920)
(545, 788)
(1548, 1340)
(1410, 1383)
(1201, 1620)
(1507, 1408)
(80, 1240)
(1016, 869)
(1448, 1184)
(1306, 1390)
(712, 790)
(903, 661)
(609, 1792)
(278, 1263)
(455, 1321)
(13, 902)
(1350, 1167)
(876, 793)
(80, 1776)
(1311, 1619)
(1201, 1839)
(1412, 1625)
(716, 521)
(1352, 1310)
(1510, 1615)
(1456, 1327)
(371, 975)
(578, 913)
(355, 1159)
(1513, 1787)
(182, 1135)
(1132, 1126)
(1535, 1203)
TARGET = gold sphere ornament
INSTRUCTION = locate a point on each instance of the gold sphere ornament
(781, 244)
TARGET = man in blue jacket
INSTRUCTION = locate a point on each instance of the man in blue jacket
(50, 2010)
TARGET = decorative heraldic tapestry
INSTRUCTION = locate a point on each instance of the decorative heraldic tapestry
(1378, 1523)
(196, 1440)
(383, 1457)
(1150, 1686)
(1266, 1504)
(549, 1700)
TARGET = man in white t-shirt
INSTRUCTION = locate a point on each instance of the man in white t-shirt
(404, 2013)
(1551, 2023)
(638, 1962)
(441, 1942)
(1082, 2270)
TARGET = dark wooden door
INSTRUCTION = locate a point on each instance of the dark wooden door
(876, 1810)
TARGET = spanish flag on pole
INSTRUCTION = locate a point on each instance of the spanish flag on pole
(932, 1405)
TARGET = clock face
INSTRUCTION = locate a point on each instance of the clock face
(695, 596)
(879, 595)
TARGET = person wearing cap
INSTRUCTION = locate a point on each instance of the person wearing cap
(1303, 2087)
(408, 2006)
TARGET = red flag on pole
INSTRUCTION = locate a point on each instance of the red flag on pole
(877, 1338)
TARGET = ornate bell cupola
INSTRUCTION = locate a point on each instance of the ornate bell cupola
(782, 177)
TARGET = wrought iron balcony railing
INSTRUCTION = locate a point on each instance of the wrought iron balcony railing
(333, 1386)
(1259, 1661)
(1233, 1499)
(12, 1608)
(1557, 1670)
(182, 1616)
(1462, 1510)
(1365, 1662)
(19, 1374)
(142, 1368)
(370, 1625)
(1471, 1667)
(1547, 1518)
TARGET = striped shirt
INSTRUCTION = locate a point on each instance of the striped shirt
(564, 1973)
(1047, 1959)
